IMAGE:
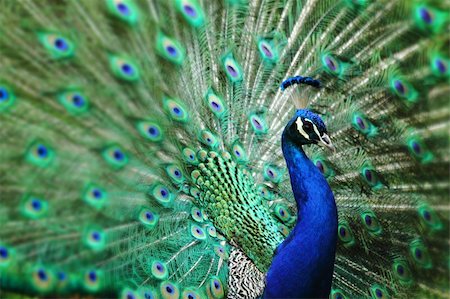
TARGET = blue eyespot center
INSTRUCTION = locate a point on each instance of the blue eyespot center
(61, 44)
(426, 16)
(127, 69)
(427, 215)
(319, 165)
(330, 63)
(232, 71)
(3, 94)
(190, 296)
(42, 275)
(42, 151)
(400, 270)
(416, 147)
(215, 105)
(96, 193)
(257, 124)
(342, 232)
(439, 64)
(153, 131)
(123, 9)
(92, 276)
(96, 236)
(118, 155)
(418, 253)
(360, 123)
(368, 174)
(368, 220)
(190, 11)
(3, 253)
(78, 100)
(216, 284)
(130, 296)
(172, 51)
(237, 153)
(149, 216)
(266, 51)
(36, 204)
(164, 192)
(378, 293)
(169, 289)
(399, 86)
(176, 110)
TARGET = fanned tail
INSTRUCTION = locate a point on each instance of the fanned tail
(141, 143)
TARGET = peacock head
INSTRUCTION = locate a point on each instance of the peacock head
(306, 127)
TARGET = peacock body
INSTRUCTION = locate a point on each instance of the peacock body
(141, 150)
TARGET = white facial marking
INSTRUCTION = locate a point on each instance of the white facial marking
(300, 128)
(316, 130)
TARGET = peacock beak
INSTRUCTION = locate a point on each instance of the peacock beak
(325, 141)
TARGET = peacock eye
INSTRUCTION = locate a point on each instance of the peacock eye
(307, 125)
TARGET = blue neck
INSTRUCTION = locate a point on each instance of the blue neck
(303, 264)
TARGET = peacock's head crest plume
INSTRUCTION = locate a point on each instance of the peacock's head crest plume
(307, 127)
(299, 96)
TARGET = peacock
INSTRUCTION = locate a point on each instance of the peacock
(224, 149)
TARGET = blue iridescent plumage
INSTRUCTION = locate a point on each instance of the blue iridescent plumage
(303, 264)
